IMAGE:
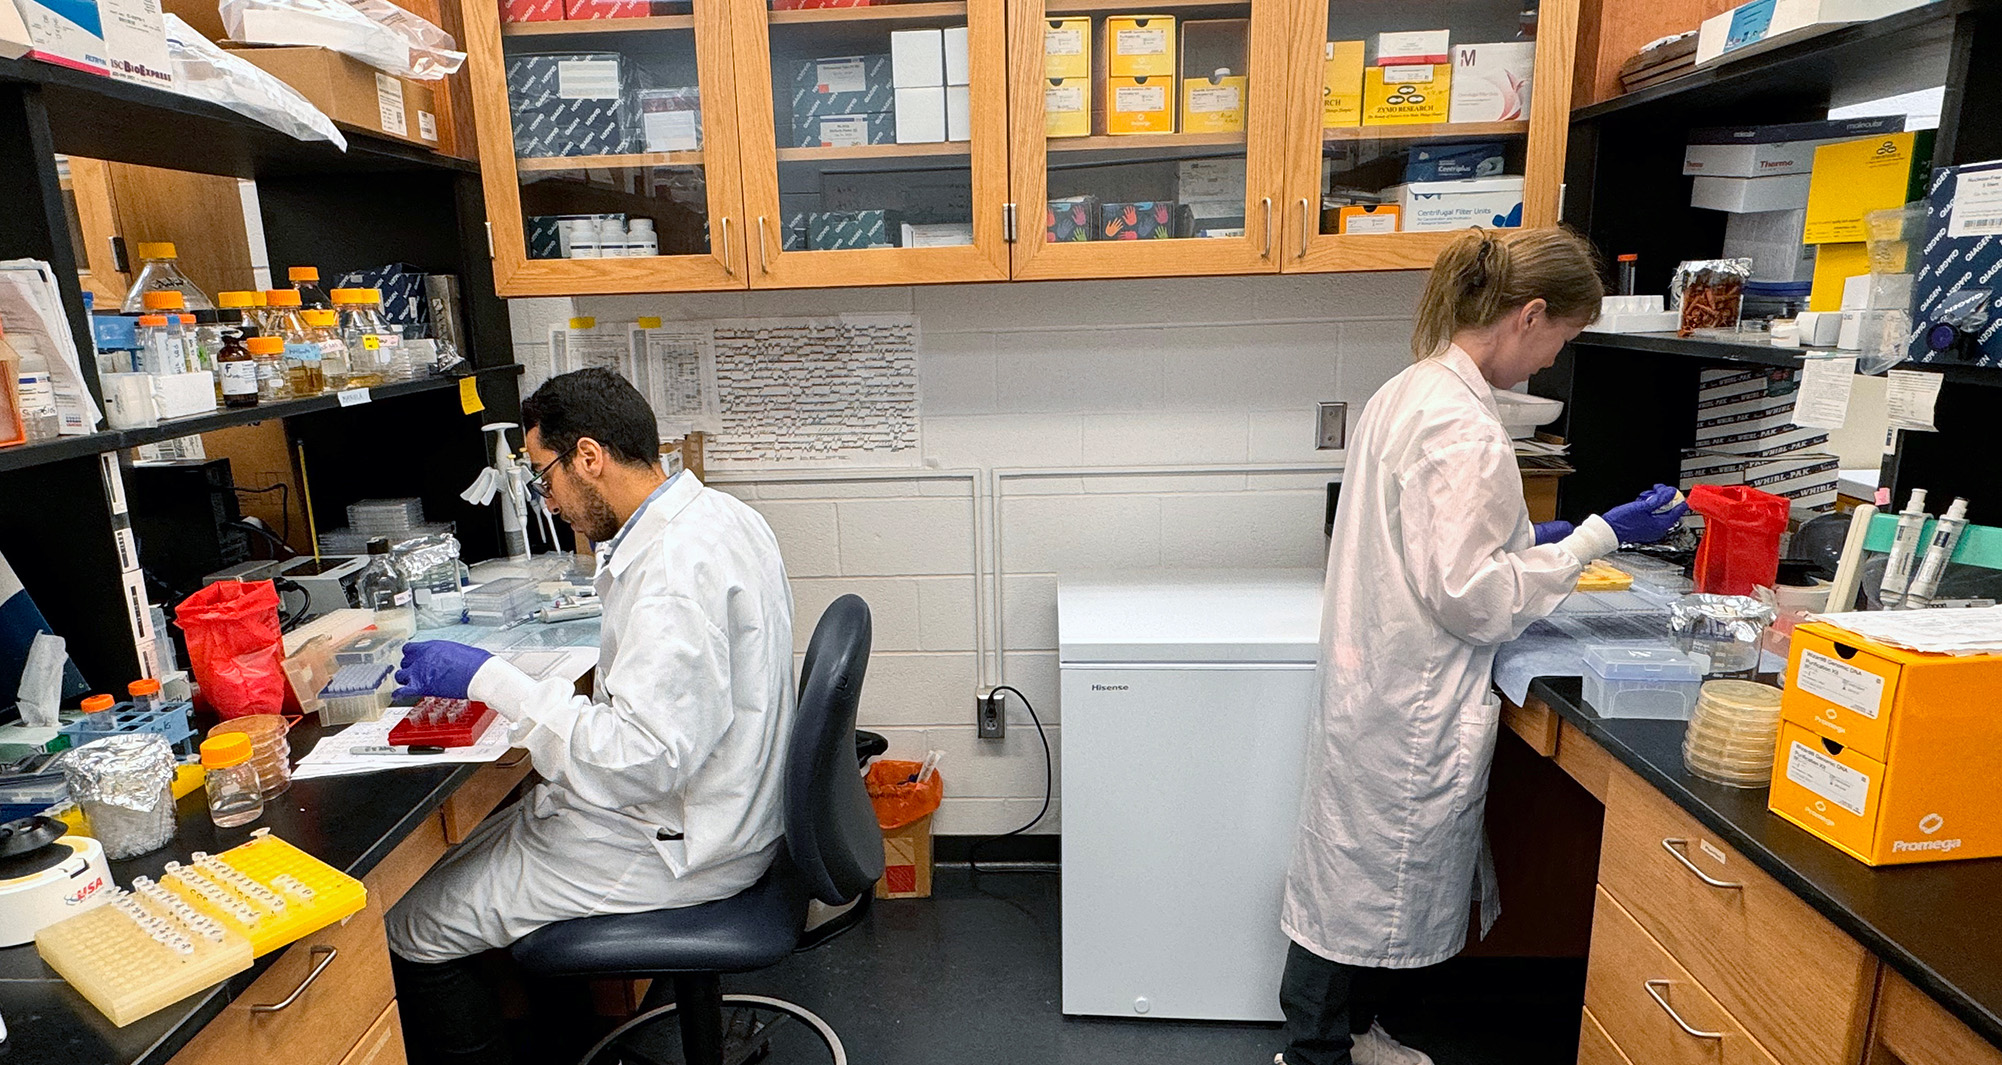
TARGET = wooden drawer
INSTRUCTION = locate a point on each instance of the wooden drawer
(1582, 757)
(1912, 1029)
(1650, 1007)
(1736, 929)
(382, 1044)
(1595, 1047)
(326, 1019)
(1535, 722)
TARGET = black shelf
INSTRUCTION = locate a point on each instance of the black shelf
(1759, 353)
(70, 447)
(154, 127)
(1897, 53)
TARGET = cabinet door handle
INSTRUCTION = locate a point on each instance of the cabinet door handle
(727, 267)
(1671, 845)
(330, 953)
(1653, 988)
(764, 263)
(1267, 253)
(1306, 230)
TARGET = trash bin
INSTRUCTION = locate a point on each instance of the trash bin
(904, 810)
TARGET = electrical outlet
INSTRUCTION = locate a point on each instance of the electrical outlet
(1331, 427)
(990, 714)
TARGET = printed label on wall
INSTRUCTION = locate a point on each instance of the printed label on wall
(1828, 778)
(1841, 683)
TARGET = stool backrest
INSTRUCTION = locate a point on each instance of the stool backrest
(831, 831)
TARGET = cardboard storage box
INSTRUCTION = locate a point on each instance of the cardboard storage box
(671, 119)
(68, 33)
(1367, 218)
(920, 116)
(1213, 67)
(1341, 84)
(1405, 95)
(1213, 104)
(1140, 105)
(843, 230)
(1750, 195)
(1210, 179)
(1432, 206)
(1763, 24)
(1070, 220)
(1067, 48)
(1491, 82)
(907, 861)
(1889, 754)
(351, 92)
(1413, 47)
(525, 10)
(1067, 107)
(1772, 151)
(1210, 219)
(1140, 46)
(844, 131)
(1771, 239)
(582, 10)
(1853, 178)
(1958, 250)
(1140, 220)
(135, 42)
(843, 85)
(577, 103)
(917, 59)
(1455, 162)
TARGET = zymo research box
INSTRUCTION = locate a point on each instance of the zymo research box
(1891, 755)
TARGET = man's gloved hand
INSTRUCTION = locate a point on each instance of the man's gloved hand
(438, 667)
(1549, 532)
(1649, 518)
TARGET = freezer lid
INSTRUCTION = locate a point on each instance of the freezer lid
(1197, 616)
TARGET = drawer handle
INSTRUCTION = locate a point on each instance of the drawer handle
(330, 953)
(1670, 846)
(1653, 988)
(1267, 253)
(1306, 226)
(727, 268)
(764, 264)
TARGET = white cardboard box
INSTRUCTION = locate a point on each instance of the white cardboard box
(1751, 195)
(1210, 179)
(937, 235)
(917, 59)
(955, 56)
(67, 33)
(921, 115)
(14, 39)
(958, 113)
(1772, 240)
(1413, 47)
(1491, 82)
(1432, 206)
(1749, 160)
(135, 42)
(1763, 24)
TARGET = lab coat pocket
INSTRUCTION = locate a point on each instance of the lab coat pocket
(1474, 754)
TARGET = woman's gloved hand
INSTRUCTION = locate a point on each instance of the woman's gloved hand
(438, 667)
(1549, 532)
(1649, 518)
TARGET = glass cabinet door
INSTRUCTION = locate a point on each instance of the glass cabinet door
(875, 140)
(1414, 122)
(610, 157)
(1147, 136)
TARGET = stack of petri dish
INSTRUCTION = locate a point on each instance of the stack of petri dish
(1732, 735)
(270, 751)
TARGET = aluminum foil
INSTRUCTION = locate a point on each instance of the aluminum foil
(1728, 628)
(124, 784)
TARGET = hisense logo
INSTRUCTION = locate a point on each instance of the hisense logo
(1109, 688)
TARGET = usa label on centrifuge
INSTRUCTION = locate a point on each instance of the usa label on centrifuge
(1841, 683)
(1828, 778)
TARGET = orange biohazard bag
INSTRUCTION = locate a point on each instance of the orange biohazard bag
(234, 648)
(898, 800)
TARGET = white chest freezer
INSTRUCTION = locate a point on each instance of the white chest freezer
(1187, 700)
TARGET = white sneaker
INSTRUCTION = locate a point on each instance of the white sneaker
(1376, 1047)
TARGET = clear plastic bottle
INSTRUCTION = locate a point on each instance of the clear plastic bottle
(156, 344)
(641, 240)
(274, 381)
(385, 591)
(302, 357)
(157, 273)
(375, 348)
(235, 792)
(144, 695)
(35, 389)
(198, 360)
(323, 331)
(306, 282)
(97, 715)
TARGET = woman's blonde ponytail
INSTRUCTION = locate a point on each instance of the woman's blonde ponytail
(1484, 275)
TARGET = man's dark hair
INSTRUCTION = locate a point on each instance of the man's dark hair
(595, 403)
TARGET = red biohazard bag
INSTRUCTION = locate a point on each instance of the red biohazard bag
(234, 648)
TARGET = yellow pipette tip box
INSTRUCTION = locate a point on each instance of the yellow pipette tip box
(324, 894)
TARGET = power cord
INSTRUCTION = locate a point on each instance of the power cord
(284, 503)
(1049, 785)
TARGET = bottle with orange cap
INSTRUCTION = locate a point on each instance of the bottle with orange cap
(306, 281)
(97, 715)
(373, 344)
(158, 273)
(274, 380)
(323, 332)
(235, 792)
(302, 357)
(144, 694)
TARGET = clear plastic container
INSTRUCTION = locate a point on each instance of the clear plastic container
(1650, 682)
(144, 694)
(323, 331)
(270, 751)
(302, 357)
(158, 273)
(374, 346)
(236, 796)
(1729, 629)
(369, 647)
(1732, 735)
(97, 715)
(306, 282)
(356, 693)
(274, 382)
(384, 590)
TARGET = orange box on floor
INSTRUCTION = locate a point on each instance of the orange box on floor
(1890, 755)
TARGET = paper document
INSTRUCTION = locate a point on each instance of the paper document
(1823, 400)
(333, 756)
(1909, 397)
(32, 307)
(1974, 631)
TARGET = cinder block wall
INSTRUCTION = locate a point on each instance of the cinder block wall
(1065, 426)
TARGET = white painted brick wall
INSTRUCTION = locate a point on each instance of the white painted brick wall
(1082, 377)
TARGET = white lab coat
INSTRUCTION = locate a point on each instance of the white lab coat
(1431, 567)
(686, 737)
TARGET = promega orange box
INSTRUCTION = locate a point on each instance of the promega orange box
(1890, 755)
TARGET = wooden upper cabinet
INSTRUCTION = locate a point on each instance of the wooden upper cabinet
(1410, 118)
(874, 144)
(1147, 137)
(630, 119)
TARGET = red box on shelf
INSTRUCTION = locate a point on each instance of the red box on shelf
(531, 10)
(596, 9)
(798, 5)
(436, 722)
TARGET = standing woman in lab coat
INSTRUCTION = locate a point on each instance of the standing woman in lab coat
(1434, 563)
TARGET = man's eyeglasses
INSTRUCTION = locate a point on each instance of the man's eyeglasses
(538, 484)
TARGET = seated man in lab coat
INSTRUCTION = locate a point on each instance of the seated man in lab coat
(661, 791)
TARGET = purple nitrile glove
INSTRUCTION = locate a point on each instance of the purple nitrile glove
(1648, 518)
(438, 667)
(1549, 532)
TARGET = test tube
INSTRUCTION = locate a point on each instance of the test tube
(97, 716)
(144, 694)
(1629, 263)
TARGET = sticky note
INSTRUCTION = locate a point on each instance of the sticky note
(469, 396)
